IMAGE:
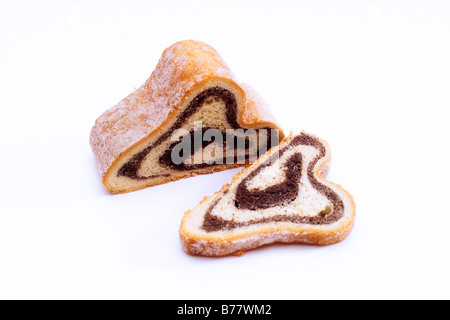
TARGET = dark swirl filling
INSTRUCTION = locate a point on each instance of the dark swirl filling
(131, 168)
(281, 194)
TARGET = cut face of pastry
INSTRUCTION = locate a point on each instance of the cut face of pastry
(282, 198)
(191, 93)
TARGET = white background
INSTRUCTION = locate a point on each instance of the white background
(370, 77)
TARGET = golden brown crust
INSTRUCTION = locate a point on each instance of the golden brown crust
(182, 71)
(257, 113)
(229, 244)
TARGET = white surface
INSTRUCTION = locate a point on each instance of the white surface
(372, 78)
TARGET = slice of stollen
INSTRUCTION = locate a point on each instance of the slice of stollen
(133, 141)
(281, 198)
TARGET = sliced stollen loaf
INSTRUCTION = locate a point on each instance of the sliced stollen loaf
(132, 141)
(281, 198)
